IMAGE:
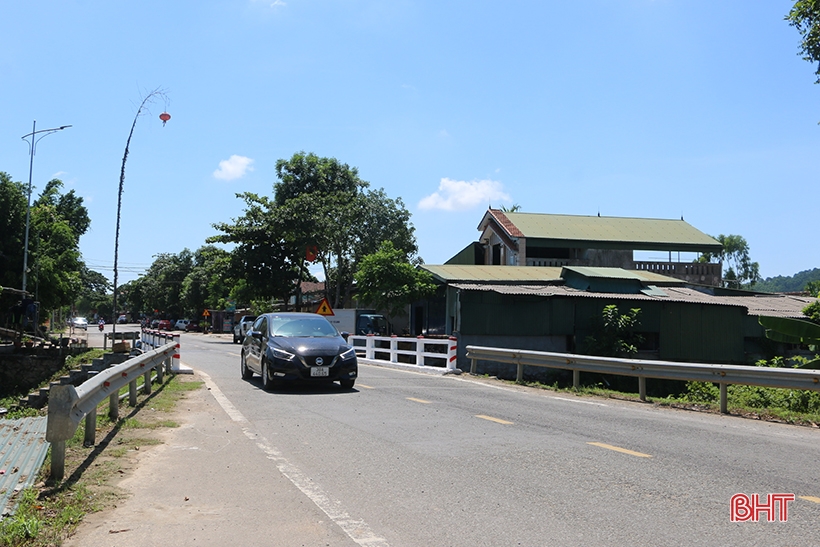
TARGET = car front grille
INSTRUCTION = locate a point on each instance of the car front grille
(324, 360)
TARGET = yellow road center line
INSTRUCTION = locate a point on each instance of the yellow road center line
(496, 420)
(622, 450)
(810, 498)
(418, 400)
(366, 387)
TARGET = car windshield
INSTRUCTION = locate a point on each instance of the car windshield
(313, 327)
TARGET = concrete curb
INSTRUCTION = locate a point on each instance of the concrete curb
(437, 371)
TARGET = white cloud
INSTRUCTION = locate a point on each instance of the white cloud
(234, 167)
(459, 195)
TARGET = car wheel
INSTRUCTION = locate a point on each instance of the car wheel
(347, 384)
(235, 339)
(267, 384)
(247, 373)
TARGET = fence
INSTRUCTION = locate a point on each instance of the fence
(723, 375)
(119, 336)
(68, 405)
(389, 346)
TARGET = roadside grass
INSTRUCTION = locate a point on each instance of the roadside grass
(47, 514)
(797, 407)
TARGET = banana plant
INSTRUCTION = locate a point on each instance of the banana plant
(793, 331)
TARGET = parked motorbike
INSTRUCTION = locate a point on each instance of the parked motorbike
(101, 325)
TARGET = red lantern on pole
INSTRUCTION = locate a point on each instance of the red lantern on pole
(164, 117)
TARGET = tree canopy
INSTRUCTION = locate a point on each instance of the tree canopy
(389, 282)
(57, 221)
(739, 270)
(320, 210)
(805, 17)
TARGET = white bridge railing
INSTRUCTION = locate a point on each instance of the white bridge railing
(387, 348)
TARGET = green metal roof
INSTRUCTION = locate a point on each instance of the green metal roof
(497, 274)
(452, 273)
(645, 277)
(635, 233)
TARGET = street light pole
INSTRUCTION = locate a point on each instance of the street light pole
(32, 149)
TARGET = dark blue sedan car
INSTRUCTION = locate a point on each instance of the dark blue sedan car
(290, 347)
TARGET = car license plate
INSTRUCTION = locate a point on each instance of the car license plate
(320, 371)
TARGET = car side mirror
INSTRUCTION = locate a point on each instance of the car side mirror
(345, 335)
(256, 334)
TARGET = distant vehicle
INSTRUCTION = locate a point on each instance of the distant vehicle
(122, 319)
(155, 323)
(79, 323)
(182, 324)
(292, 347)
(164, 324)
(358, 322)
(242, 327)
(193, 326)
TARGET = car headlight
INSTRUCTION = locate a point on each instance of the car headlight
(282, 354)
(348, 354)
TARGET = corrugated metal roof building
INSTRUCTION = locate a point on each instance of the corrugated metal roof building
(537, 239)
(554, 309)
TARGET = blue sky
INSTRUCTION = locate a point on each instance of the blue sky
(634, 108)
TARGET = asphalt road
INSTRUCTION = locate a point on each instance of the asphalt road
(415, 460)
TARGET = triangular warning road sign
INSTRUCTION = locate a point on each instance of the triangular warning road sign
(324, 308)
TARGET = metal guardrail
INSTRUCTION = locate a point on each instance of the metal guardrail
(723, 375)
(68, 405)
(419, 353)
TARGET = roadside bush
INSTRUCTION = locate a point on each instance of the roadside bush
(756, 397)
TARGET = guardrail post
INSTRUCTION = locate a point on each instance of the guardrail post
(175, 359)
(419, 349)
(473, 366)
(57, 460)
(724, 403)
(369, 344)
(132, 393)
(452, 353)
(576, 379)
(519, 376)
(642, 388)
(90, 428)
(160, 373)
(114, 406)
(394, 345)
(146, 383)
(59, 428)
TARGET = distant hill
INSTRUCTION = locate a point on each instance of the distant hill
(794, 283)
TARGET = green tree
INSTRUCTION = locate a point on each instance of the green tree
(388, 281)
(161, 286)
(208, 285)
(12, 227)
(265, 257)
(813, 288)
(319, 205)
(95, 293)
(739, 270)
(805, 17)
(812, 311)
(614, 334)
(325, 205)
